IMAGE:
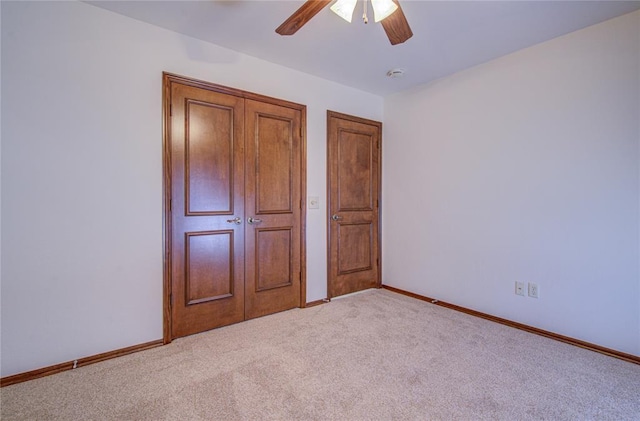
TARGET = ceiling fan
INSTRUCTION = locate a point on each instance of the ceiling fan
(388, 12)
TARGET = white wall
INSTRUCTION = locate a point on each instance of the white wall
(524, 168)
(82, 173)
(0, 188)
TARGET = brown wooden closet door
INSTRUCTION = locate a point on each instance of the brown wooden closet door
(207, 189)
(273, 208)
(354, 189)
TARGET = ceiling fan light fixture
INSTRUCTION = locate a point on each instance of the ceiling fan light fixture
(344, 9)
(382, 9)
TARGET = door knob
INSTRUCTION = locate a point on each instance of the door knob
(237, 220)
(253, 220)
(336, 217)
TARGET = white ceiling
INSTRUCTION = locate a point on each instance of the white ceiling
(449, 36)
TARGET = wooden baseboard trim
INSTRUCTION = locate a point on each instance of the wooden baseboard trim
(317, 302)
(47, 371)
(566, 339)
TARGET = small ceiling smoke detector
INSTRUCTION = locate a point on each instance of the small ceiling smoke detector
(395, 73)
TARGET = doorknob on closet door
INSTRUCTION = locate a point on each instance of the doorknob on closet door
(336, 217)
(237, 220)
(254, 220)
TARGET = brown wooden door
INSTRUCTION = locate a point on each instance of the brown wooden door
(234, 220)
(207, 195)
(273, 205)
(354, 167)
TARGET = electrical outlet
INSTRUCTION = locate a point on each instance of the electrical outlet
(533, 290)
(520, 288)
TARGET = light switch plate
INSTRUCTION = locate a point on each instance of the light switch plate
(314, 202)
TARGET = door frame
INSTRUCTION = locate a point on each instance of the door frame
(167, 80)
(342, 116)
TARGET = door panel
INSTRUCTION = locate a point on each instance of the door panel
(354, 247)
(273, 160)
(209, 160)
(207, 190)
(273, 253)
(355, 163)
(274, 200)
(209, 269)
(354, 189)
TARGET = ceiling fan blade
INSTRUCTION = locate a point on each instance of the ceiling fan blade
(301, 16)
(397, 27)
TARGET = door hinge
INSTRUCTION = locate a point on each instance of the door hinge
(170, 110)
(170, 205)
(171, 299)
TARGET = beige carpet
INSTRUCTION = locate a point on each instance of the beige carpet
(372, 356)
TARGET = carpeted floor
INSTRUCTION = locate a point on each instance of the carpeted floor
(371, 356)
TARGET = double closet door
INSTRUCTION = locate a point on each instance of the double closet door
(234, 185)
